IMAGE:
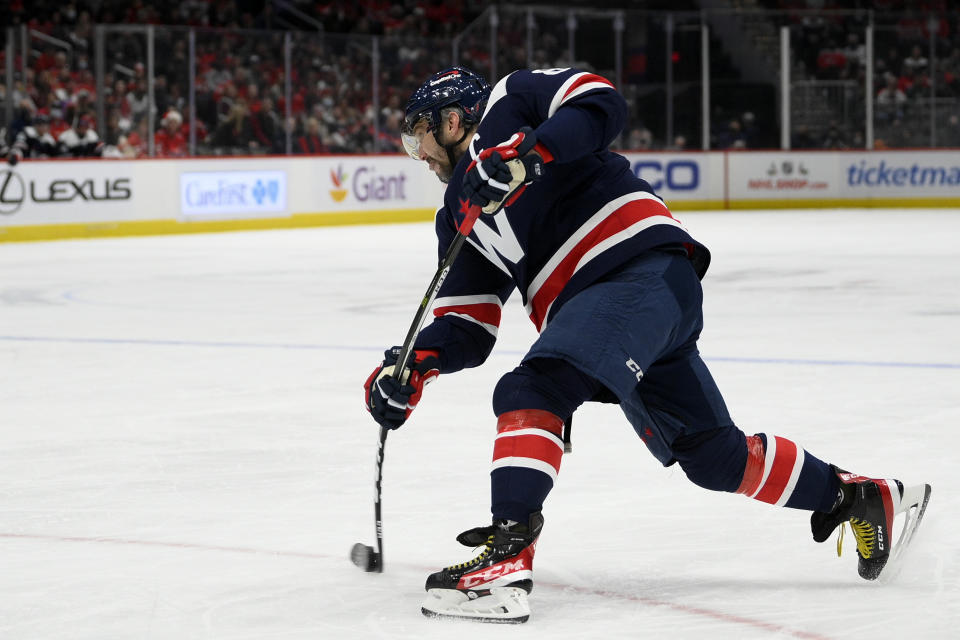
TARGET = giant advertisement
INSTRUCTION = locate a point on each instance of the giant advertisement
(366, 183)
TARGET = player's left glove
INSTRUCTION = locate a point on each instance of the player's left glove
(390, 398)
(500, 174)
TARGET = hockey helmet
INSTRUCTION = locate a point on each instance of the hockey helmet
(456, 86)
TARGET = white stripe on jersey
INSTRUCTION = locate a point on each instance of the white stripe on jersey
(457, 301)
(560, 97)
(499, 91)
(578, 235)
(489, 327)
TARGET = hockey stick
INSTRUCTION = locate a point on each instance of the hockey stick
(364, 556)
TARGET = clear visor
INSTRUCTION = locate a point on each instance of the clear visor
(411, 134)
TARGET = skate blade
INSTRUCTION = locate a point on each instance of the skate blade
(505, 605)
(913, 504)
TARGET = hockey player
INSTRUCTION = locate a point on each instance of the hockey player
(81, 141)
(36, 141)
(612, 282)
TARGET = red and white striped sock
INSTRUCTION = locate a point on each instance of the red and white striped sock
(526, 461)
(774, 468)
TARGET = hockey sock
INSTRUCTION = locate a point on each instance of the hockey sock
(526, 460)
(780, 472)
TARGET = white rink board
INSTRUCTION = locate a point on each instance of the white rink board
(81, 198)
(57, 192)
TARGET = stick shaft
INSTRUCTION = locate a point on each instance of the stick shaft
(407, 349)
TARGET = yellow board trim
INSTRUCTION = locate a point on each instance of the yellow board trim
(66, 231)
(845, 203)
(164, 227)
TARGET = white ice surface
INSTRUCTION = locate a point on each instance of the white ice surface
(183, 452)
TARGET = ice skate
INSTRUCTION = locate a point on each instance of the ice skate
(870, 506)
(492, 587)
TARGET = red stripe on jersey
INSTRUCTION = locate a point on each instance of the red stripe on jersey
(530, 419)
(780, 472)
(584, 79)
(544, 152)
(618, 220)
(528, 446)
(753, 472)
(484, 312)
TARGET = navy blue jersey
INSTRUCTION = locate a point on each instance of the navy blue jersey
(587, 216)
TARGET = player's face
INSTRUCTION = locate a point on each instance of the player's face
(428, 149)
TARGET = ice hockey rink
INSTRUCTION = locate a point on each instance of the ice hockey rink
(184, 453)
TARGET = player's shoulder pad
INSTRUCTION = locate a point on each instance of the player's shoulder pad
(554, 87)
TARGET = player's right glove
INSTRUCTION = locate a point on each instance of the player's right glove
(391, 399)
(500, 174)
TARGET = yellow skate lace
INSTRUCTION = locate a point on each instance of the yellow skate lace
(483, 554)
(865, 534)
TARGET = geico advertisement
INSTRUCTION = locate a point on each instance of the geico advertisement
(890, 174)
(49, 191)
(676, 177)
(204, 193)
(778, 175)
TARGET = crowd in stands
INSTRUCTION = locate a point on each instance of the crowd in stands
(828, 37)
(240, 85)
(245, 104)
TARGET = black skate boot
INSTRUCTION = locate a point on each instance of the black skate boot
(870, 506)
(492, 587)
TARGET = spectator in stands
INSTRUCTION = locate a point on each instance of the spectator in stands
(949, 69)
(834, 138)
(916, 61)
(235, 133)
(951, 133)
(137, 140)
(35, 141)
(169, 141)
(265, 122)
(891, 100)
(311, 140)
(855, 51)
(732, 137)
(679, 143)
(81, 141)
(831, 62)
(639, 139)
(138, 101)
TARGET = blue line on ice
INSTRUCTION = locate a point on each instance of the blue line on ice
(329, 347)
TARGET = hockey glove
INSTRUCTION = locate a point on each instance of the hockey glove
(391, 400)
(498, 176)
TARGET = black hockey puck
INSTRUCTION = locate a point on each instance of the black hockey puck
(365, 557)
